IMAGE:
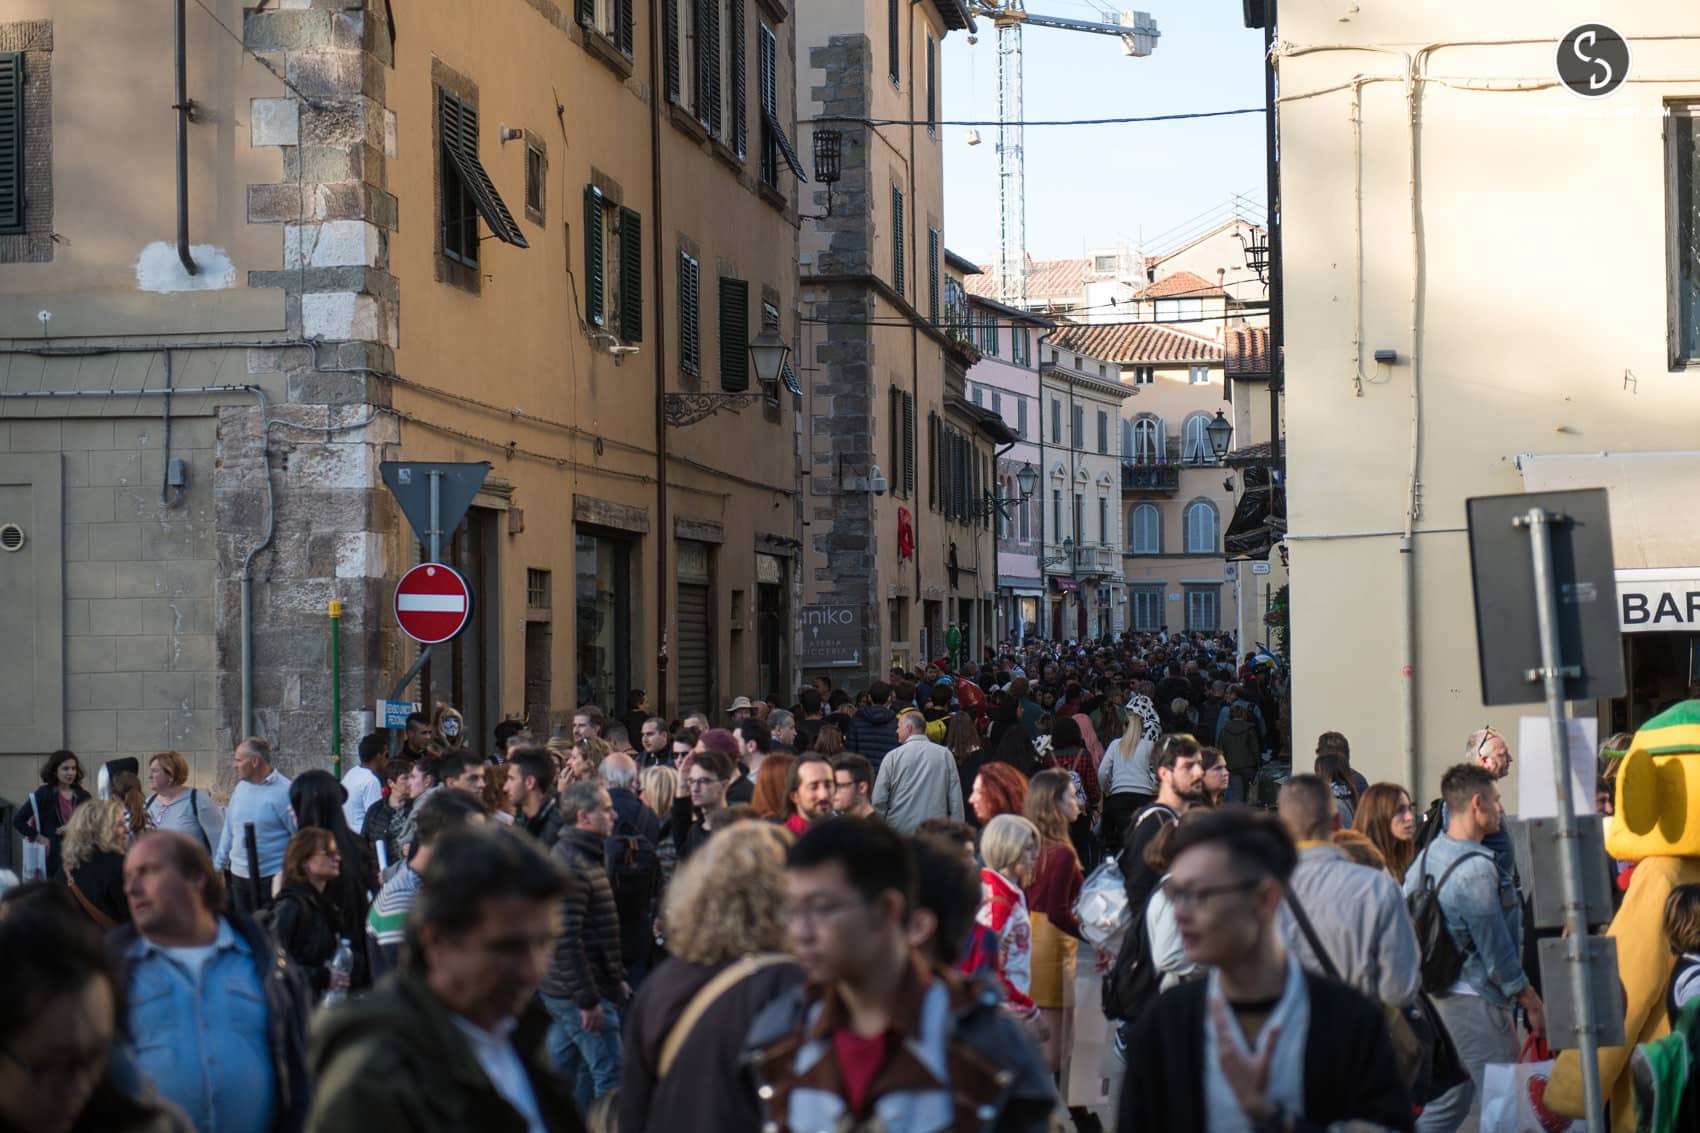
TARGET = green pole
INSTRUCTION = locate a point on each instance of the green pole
(336, 687)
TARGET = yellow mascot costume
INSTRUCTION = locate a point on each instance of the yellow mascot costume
(1656, 826)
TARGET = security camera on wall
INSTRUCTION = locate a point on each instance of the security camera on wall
(878, 483)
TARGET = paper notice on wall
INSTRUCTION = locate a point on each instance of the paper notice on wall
(1537, 790)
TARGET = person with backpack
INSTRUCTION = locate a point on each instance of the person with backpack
(174, 805)
(586, 984)
(1132, 981)
(633, 863)
(1469, 926)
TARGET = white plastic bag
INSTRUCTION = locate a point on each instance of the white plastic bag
(1514, 1095)
(1102, 906)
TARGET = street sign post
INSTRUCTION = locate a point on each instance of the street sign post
(393, 714)
(1553, 625)
(432, 603)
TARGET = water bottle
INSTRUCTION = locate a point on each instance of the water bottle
(341, 964)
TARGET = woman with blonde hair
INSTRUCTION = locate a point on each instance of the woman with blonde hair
(660, 784)
(1010, 848)
(1052, 805)
(1125, 775)
(726, 930)
(174, 805)
(95, 841)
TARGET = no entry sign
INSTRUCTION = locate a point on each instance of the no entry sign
(432, 603)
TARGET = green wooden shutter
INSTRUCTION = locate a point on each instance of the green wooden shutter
(909, 444)
(11, 141)
(708, 64)
(594, 301)
(586, 12)
(631, 275)
(690, 318)
(739, 132)
(897, 239)
(892, 48)
(624, 33)
(671, 31)
(932, 87)
(933, 275)
(734, 335)
(932, 460)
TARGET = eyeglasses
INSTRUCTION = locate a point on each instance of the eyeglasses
(1190, 897)
(1488, 733)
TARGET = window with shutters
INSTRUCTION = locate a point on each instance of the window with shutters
(1682, 165)
(613, 266)
(1104, 521)
(1147, 603)
(997, 404)
(1201, 528)
(708, 58)
(777, 152)
(908, 445)
(735, 132)
(467, 193)
(1103, 431)
(1145, 530)
(690, 315)
(536, 179)
(1147, 438)
(974, 394)
(1144, 375)
(26, 144)
(900, 407)
(1195, 444)
(679, 50)
(1079, 519)
(1077, 428)
(1056, 514)
(1198, 375)
(897, 238)
(893, 41)
(612, 20)
(1056, 420)
(734, 335)
(1201, 608)
(933, 297)
(1024, 518)
(932, 85)
(1021, 418)
(935, 480)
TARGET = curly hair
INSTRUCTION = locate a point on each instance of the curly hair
(726, 901)
(90, 831)
(1004, 789)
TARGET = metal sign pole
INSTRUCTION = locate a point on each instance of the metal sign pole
(1552, 674)
(436, 532)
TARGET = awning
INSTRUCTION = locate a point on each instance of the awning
(1652, 498)
(1066, 585)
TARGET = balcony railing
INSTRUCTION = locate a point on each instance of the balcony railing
(1164, 478)
(1096, 559)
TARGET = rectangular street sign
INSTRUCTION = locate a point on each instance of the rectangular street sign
(1508, 640)
(831, 636)
(393, 714)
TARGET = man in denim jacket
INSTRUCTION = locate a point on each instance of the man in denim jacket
(217, 1012)
(1485, 918)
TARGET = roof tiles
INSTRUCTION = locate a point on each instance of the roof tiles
(1135, 343)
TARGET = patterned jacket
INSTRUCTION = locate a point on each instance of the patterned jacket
(994, 1080)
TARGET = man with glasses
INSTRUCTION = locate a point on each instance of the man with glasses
(1259, 1044)
(218, 1010)
(586, 983)
(700, 799)
(877, 1036)
(1487, 749)
(852, 782)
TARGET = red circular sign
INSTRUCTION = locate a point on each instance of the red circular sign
(432, 603)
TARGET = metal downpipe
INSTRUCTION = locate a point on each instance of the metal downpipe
(182, 107)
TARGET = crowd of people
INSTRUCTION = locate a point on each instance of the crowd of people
(831, 910)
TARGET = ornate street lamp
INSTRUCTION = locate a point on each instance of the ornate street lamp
(1220, 432)
(768, 352)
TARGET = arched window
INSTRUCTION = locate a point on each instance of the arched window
(1201, 528)
(1145, 530)
(1146, 446)
(1195, 448)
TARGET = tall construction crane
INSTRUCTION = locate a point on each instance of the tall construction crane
(1138, 33)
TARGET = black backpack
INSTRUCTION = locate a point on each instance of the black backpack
(1433, 826)
(634, 868)
(1442, 959)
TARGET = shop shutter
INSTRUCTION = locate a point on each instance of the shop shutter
(695, 648)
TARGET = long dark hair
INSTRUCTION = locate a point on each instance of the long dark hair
(961, 736)
(1018, 751)
(317, 799)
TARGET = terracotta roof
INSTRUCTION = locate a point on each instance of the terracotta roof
(1259, 453)
(1248, 352)
(1153, 261)
(1180, 283)
(1130, 343)
(1046, 279)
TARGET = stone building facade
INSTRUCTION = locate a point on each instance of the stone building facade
(490, 234)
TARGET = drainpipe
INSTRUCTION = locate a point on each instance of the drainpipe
(663, 531)
(182, 106)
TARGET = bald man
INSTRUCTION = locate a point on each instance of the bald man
(634, 869)
(1357, 914)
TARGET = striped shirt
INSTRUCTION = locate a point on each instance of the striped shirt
(386, 924)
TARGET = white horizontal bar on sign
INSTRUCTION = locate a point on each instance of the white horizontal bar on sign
(430, 603)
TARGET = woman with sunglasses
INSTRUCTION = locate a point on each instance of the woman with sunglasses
(303, 919)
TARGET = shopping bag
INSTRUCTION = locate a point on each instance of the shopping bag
(1089, 1061)
(1514, 1095)
(1102, 905)
(35, 860)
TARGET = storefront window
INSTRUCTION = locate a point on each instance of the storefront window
(604, 592)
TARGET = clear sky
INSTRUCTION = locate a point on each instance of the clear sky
(1093, 186)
